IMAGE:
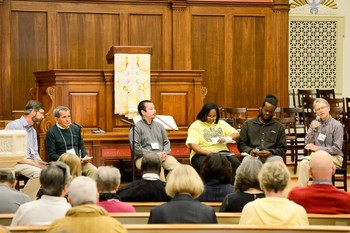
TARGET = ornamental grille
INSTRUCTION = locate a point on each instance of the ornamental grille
(313, 54)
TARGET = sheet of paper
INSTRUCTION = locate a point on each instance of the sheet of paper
(167, 121)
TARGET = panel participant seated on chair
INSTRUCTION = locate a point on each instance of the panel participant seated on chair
(150, 136)
(209, 134)
(325, 133)
(30, 166)
(321, 196)
(65, 137)
(149, 188)
(263, 136)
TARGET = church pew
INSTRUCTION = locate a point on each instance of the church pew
(223, 218)
(147, 206)
(203, 228)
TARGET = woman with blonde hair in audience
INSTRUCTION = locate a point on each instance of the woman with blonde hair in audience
(183, 185)
(275, 208)
(73, 163)
(246, 186)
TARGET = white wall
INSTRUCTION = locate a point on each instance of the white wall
(343, 10)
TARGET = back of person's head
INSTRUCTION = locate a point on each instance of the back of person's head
(54, 178)
(142, 106)
(321, 165)
(151, 163)
(247, 174)
(7, 177)
(271, 99)
(274, 176)
(184, 179)
(107, 179)
(216, 166)
(205, 111)
(82, 190)
(33, 105)
(56, 111)
(73, 163)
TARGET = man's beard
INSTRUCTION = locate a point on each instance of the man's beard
(263, 119)
(36, 121)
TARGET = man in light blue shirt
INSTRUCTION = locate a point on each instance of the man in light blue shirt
(31, 165)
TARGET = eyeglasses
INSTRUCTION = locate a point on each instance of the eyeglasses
(321, 108)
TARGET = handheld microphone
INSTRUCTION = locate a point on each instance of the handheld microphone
(127, 122)
(318, 119)
(80, 126)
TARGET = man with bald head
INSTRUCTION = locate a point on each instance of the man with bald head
(321, 196)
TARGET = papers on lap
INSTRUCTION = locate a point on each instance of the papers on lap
(167, 121)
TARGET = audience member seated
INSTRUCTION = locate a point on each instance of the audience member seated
(54, 179)
(246, 186)
(149, 188)
(85, 216)
(108, 181)
(208, 134)
(321, 196)
(10, 198)
(183, 185)
(274, 209)
(216, 174)
(263, 136)
(73, 163)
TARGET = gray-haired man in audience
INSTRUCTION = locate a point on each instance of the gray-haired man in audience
(10, 198)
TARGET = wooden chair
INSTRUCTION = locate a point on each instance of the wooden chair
(302, 94)
(347, 106)
(307, 104)
(341, 173)
(325, 93)
(337, 113)
(234, 115)
(295, 146)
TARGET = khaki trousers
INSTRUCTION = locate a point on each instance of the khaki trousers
(303, 168)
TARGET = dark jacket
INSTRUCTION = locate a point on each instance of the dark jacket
(182, 209)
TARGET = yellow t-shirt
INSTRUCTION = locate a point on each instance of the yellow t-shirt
(202, 133)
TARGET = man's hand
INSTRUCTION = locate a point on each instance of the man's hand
(264, 153)
(162, 155)
(311, 146)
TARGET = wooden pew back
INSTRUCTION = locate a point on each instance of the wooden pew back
(203, 228)
(223, 218)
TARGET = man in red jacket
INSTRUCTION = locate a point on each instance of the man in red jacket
(321, 196)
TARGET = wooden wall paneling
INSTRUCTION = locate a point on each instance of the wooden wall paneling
(147, 30)
(248, 60)
(28, 40)
(5, 77)
(208, 53)
(181, 44)
(279, 45)
(178, 93)
(84, 39)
